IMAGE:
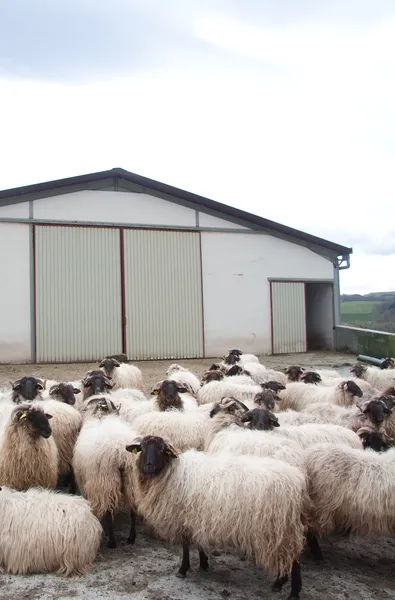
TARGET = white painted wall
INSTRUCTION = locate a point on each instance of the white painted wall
(206, 220)
(15, 293)
(15, 211)
(236, 268)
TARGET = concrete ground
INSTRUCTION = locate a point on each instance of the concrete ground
(353, 568)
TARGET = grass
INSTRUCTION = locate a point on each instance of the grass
(364, 311)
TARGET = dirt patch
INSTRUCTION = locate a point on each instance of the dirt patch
(353, 568)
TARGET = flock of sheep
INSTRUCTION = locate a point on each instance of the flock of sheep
(244, 457)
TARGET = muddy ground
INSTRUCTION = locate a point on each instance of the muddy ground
(353, 568)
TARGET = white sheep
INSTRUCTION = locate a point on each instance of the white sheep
(184, 430)
(102, 466)
(122, 375)
(314, 433)
(261, 374)
(66, 423)
(62, 392)
(28, 452)
(94, 383)
(361, 500)
(181, 375)
(44, 531)
(215, 390)
(380, 379)
(254, 505)
(26, 389)
(298, 395)
(173, 395)
(227, 432)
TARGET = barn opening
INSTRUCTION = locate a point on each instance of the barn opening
(319, 315)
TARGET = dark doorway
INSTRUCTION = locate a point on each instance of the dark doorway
(319, 315)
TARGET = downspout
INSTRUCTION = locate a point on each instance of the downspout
(339, 264)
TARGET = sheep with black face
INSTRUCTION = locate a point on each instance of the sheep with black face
(378, 378)
(173, 395)
(371, 439)
(311, 377)
(64, 392)
(294, 373)
(27, 389)
(298, 395)
(185, 376)
(28, 452)
(122, 375)
(212, 375)
(223, 501)
(94, 383)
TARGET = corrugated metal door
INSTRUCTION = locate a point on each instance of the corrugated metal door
(163, 293)
(288, 317)
(78, 293)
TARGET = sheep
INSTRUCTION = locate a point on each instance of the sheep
(215, 390)
(298, 395)
(388, 363)
(26, 388)
(95, 382)
(45, 531)
(226, 432)
(122, 375)
(122, 358)
(260, 374)
(173, 395)
(211, 375)
(372, 439)
(184, 430)
(378, 378)
(101, 466)
(28, 452)
(315, 433)
(292, 417)
(361, 501)
(181, 375)
(311, 377)
(223, 500)
(294, 373)
(63, 392)
(66, 423)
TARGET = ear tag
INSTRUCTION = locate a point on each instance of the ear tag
(23, 416)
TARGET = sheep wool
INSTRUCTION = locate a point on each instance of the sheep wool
(183, 430)
(224, 502)
(362, 500)
(46, 531)
(182, 375)
(315, 433)
(216, 390)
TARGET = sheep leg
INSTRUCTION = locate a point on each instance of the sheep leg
(185, 565)
(203, 559)
(132, 533)
(110, 529)
(296, 580)
(73, 485)
(314, 546)
(278, 584)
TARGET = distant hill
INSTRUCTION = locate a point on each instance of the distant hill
(371, 311)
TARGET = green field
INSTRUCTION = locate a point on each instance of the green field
(360, 312)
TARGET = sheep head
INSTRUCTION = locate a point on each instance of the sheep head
(210, 375)
(97, 382)
(168, 394)
(371, 438)
(351, 388)
(34, 419)
(231, 359)
(266, 398)
(235, 352)
(234, 370)
(294, 373)
(273, 385)
(100, 407)
(154, 454)
(311, 377)
(27, 388)
(388, 363)
(122, 358)
(358, 370)
(261, 419)
(228, 405)
(174, 368)
(65, 392)
(375, 410)
(108, 365)
(215, 367)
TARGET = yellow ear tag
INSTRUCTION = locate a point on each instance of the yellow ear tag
(23, 416)
(135, 451)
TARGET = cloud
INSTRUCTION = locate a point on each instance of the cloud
(288, 118)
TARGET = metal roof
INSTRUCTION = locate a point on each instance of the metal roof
(16, 195)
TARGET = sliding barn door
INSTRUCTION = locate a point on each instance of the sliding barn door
(288, 317)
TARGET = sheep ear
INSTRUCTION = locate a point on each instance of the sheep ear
(41, 384)
(135, 446)
(76, 390)
(183, 389)
(274, 422)
(113, 406)
(86, 382)
(20, 415)
(102, 363)
(247, 417)
(16, 385)
(116, 363)
(170, 451)
(48, 416)
(53, 389)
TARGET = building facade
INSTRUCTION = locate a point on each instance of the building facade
(113, 262)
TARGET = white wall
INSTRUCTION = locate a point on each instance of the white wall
(15, 293)
(15, 211)
(236, 268)
(206, 220)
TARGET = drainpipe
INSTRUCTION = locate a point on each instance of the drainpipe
(339, 264)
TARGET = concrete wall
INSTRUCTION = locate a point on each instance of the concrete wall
(236, 268)
(15, 293)
(378, 344)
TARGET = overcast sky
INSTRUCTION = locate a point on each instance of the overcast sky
(284, 109)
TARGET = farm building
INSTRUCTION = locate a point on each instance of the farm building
(114, 262)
